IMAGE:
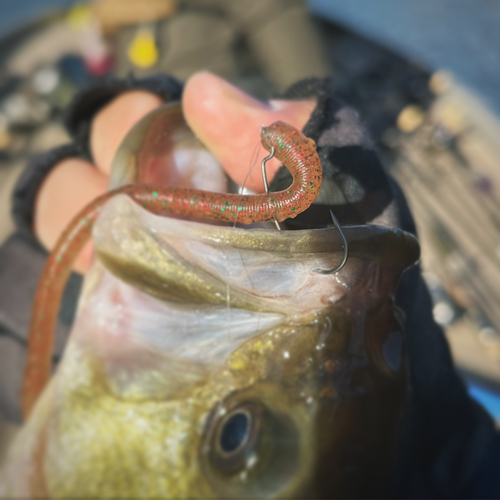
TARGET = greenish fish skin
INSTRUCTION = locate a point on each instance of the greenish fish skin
(309, 407)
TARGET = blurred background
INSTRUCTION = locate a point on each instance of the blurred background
(424, 75)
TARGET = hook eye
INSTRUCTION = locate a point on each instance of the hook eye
(335, 221)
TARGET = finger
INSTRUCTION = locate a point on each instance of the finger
(70, 186)
(229, 122)
(113, 122)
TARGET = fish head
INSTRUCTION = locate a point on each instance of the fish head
(215, 362)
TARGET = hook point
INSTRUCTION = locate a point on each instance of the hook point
(346, 249)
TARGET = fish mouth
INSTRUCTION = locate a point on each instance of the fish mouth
(190, 293)
(207, 288)
(188, 262)
(190, 319)
(173, 314)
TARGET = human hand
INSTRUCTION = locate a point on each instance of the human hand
(225, 119)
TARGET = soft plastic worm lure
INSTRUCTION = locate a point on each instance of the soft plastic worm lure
(290, 146)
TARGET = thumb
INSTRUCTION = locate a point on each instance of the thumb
(228, 121)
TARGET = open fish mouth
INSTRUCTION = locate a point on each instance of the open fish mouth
(215, 362)
(196, 292)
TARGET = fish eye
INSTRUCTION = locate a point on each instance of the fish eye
(234, 431)
(250, 448)
(233, 440)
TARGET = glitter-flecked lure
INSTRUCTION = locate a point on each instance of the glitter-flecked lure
(292, 148)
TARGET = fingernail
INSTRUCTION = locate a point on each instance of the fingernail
(280, 105)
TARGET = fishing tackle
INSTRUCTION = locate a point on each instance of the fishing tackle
(345, 245)
(334, 219)
(291, 147)
(264, 179)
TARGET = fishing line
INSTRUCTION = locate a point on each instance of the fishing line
(251, 166)
(241, 190)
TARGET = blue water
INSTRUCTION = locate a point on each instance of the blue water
(462, 36)
(488, 399)
(15, 14)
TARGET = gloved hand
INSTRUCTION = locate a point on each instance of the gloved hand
(225, 119)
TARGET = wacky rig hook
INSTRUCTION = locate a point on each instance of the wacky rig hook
(334, 219)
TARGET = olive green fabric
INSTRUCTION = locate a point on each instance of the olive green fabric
(234, 39)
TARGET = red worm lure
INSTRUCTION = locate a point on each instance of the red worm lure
(291, 147)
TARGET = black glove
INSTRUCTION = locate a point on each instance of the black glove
(450, 447)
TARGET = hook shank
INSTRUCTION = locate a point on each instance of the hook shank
(264, 178)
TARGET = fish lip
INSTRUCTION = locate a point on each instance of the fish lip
(154, 253)
(186, 262)
(389, 247)
(165, 132)
(357, 236)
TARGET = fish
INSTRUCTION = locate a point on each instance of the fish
(289, 145)
(213, 361)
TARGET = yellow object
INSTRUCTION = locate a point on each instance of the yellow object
(440, 82)
(79, 16)
(410, 118)
(143, 51)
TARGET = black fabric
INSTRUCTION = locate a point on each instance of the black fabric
(23, 199)
(88, 103)
(449, 440)
(21, 264)
(354, 185)
(447, 435)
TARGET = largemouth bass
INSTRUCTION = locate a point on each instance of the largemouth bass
(215, 362)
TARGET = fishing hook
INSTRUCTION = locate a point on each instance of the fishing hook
(264, 178)
(346, 249)
(334, 219)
